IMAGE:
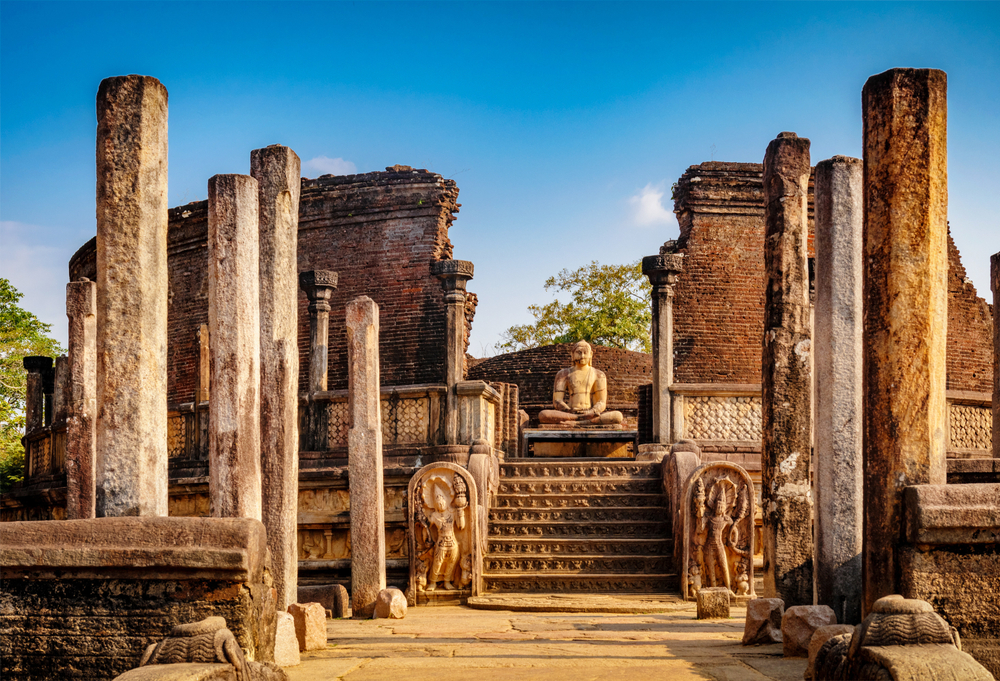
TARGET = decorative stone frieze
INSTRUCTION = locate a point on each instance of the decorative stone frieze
(444, 533)
(722, 418)
(969, 427)
(718, 530)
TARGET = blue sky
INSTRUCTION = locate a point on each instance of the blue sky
(564, 124)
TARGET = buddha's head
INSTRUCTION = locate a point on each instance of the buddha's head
(440, 502)
(582, 354)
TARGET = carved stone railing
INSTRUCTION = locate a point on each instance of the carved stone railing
(970, 425)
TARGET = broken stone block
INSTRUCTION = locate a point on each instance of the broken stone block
(798, 625)
(819, 638)
(310, 625)
(713, 603)
(333, 597)
(286, 643)
(390, 604)
(763, 623)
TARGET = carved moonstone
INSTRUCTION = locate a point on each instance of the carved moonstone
(718, 530)
(444, 535)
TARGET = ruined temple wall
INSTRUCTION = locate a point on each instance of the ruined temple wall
(379, 231)
(534, 373)
(970, 331)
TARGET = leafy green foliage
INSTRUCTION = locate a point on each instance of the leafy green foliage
(21, 335)
(610, 305)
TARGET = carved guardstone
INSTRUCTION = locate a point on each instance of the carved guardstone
(446, 556)
(718, 531)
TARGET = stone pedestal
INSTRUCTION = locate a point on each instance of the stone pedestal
(81, 308)
(131, 297)
(838, 328)
(234, 481)
(364, 456)
(713, 603)
(276, 170)
(905, 306)
(454, 274)
(319, 286)
(786, 375)
(662, 271)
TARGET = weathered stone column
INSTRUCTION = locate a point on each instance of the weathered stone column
(34, 405)
(906, 306)
(60, 392)
(49, 391)
(995, 286)
(364, 457)
(454, 274)
(838, 327)
(81, 308)
(319, 286)
(234, 481)
(276, 170)
(202, 391)
(131, 297)
(662, 271)
(786, 377)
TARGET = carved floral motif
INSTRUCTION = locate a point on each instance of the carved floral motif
(718, 530)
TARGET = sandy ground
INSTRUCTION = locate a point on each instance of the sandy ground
(445, 643)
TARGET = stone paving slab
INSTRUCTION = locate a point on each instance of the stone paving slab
(460, 643)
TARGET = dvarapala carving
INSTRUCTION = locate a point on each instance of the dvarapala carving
(444, 532)
(718, 530)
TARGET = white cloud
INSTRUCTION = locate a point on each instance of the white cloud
(330, 166)
(647, 207)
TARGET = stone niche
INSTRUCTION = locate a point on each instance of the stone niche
(445, 546)
(83, 599)
(718, 531)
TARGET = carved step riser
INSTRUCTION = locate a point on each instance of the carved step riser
(580, 515)
(579, 487)
(517, 549)
(505, 584)
(547, 530)
(581, 566)
(557, 470)
(547, 500)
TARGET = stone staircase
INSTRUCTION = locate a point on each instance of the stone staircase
(579, 525)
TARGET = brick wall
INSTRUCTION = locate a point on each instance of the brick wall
(719, 300)
(534, 373)
(379, 231)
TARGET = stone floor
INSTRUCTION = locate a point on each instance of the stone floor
(454, 642)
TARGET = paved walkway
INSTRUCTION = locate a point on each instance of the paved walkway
(459, 643)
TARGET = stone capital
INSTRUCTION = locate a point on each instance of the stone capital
(319, 286)
(36, 364)
(663, 269)
(453, 273)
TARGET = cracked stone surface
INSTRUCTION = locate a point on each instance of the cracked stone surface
(455, 642)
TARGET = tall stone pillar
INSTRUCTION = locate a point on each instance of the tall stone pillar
(276, 169)
(81, 440)
(234, 480)
(905, 306)
(60, 387)
(995, 286)
(34, 406)
(131, 297)
(662, 271)
(49, 392)
(786, 377)
(202, 391)
(364, 457)
(319, 286)
(838, 328)
(454, 274)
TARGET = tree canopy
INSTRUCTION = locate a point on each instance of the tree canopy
(609, 305)
(21, 335)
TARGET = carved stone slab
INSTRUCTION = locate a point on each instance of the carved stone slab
(445, 549)
(718, 533)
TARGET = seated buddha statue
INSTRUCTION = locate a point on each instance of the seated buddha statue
(580, 394)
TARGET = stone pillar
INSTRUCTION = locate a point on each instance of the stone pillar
(34, 406)
(276, 170)
(995, 286)
(838, 327)
(234, 482)
(48, 392)
(319, 286)
(364, 457)
(202, 391)
(131, 297)
(905, 306)
(786, 376)
(662, 271)
(60, 390)
(81, 309)
(454, 274)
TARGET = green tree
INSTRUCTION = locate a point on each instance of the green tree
(21, 335)
(610, 306)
